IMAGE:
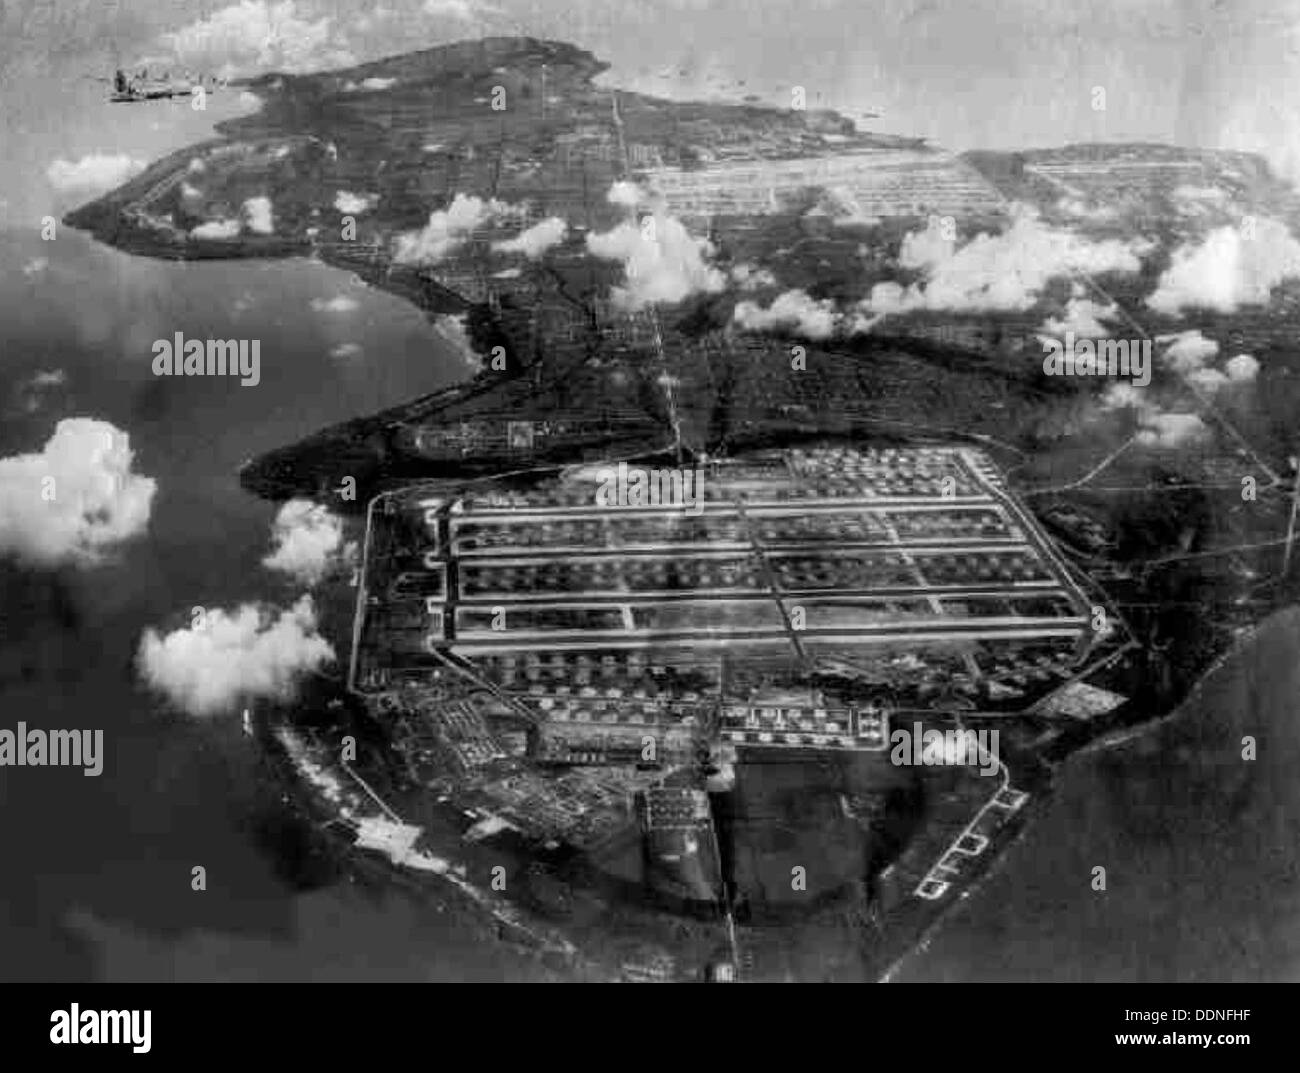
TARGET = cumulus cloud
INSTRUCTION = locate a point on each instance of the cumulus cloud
(927, 249)
(257, 215)
(1186, 352)
(536, 240)
(95, 173)
(1207, 379)
(1169, 430)
(452, 327)
(1157, 427)
(217, 229)
(74, 499)
(1241, 368)
(258, 35)
(1230, 267)
(750, 277)
(794, 312)
(1083, 317)
(1191, 356)
(455, 9)
(340, 303)
(1003, 272)
(224, 657)
(662, 260)
(306, 538)
(448, 229)
(351, 204)
(36, 266)
(624, 193)
(346, 350)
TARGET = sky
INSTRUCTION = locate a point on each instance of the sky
(964, 73)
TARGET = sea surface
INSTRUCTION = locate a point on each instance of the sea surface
(1201, 848)
(95, 878)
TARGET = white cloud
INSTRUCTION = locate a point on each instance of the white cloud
(94, 501)
(793, 311)
(1207, 379)
(455, 9)
(306, 538)
(225, 657)
(1003, 272)
(347, 350)
(1124, 396)
(257, 215)
(448, 229)
(1186, 352)
(1229, 268)
(536, 240)
(662, 263)
(627, 194)
(1241, 368)
(95, 173)
(340, 303)
(927, 249)
(750, 277)
(452, 327)
(351, 204)
(36, 266)
(1171, 430)
(1191, 355)
(217, 229)
(1156, 427)
(257, 35)
(1082, 317)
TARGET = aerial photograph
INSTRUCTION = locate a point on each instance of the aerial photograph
(649, 491)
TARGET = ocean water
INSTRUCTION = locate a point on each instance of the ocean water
(1201, 849)
(95, 876)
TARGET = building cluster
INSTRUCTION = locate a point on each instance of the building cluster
(623, 647)
(876, 183)
(864, 730)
